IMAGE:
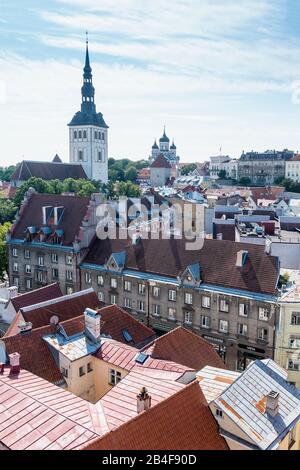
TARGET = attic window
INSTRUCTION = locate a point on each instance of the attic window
(141, 358)
(127, 336)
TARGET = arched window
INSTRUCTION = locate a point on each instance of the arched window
(84, 134)
(96, 135)
(99, 156)
(103, 136)
(75, 134)
(79, 134)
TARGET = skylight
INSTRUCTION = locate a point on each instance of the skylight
(127, 336)
(141, 358)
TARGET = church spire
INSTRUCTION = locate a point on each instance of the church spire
(88, 91)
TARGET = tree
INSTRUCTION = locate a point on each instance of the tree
(6, 172)
(7, 210)
(244, 181)
(3, 250)
(187, 169)
(55, 187)
(127, 189)
(40, 185)
(222, 174)
(131, 173)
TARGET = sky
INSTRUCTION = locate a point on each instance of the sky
(219, 74)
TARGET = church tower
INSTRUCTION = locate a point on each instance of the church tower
(88, 131)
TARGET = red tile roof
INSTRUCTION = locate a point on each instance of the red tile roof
(31, 215)
(120, 403)
(182, 421)
(65, 307)
(36, 415)
(295, 158)
(114, 320)
(161, 162)
(185, 347)
(52, 291)
(269, 193)
(217, 260)
(13, 328)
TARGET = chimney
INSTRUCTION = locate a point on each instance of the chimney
(12, 292)
(92, 324)
(143, 400)
(272, 403)
(241, 258)
(136, 238)
(14, 360)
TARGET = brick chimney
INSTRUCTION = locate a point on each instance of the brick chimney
(14, 360)
(92, 324)
(143, 400)
(272, 403)
(241, 258)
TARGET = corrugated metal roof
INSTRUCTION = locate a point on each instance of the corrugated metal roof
(243, 402)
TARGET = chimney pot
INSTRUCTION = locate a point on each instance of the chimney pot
(143, 400)
(14, 360)
(92, 321)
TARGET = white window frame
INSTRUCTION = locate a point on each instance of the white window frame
(242, 329)
(15, 252)
(127, 286)
(54, 258)
(156, 310)
(156, 291)
(188, 298)
(142, 289)
(224, 305)
(88, 278)
(15, 267)
(41, 260)
(113, 299)
(53, 276)
(113, 283)
(69, 275)
(142, 306)
(205, 321)
(100, 280)
(172, 295)
(172, 313)
(127, 302)
(263, 314)
(223, 322)
(259, 336)
(114, 377)
(188, 318)
(205, 301)
(69, 260)
(101, 296)
(27, 252)
(243, 310)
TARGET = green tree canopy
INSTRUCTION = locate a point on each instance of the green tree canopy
(188, 169)
(3, 250)
(131, 174)
(7, 210)
(6, 172)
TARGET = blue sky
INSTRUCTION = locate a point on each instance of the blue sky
(215, 72)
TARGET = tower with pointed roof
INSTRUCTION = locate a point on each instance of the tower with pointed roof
(88, 132)
(169, 153)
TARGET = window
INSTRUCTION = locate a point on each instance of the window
(75, 134)
(114, 377)
(113, 299)
(28, 284)
(172, 295)
(141, 306)
(55, 273)
(113, 283)
(243, 310)
(15, 267)
(69, 290)
(103, 136)
(142, 289)
(242, 329)
(84, 134)
(79, 134)
(219, 413)
(81, 371)
(127, 286)
(263, 334)
(224, 306)
(294, 342)
(295, 320)
(156, 291)
(188, 298)
(99, 156)
(127, 302)
(89, 367)
(156, 310)
(101, 296)
(293, 365)
(69, 259)
(205, 321)
(223, 326)
(41, 277)
(188, 318)
(88, 278)
(69, 275)
(27, 254)
(205, 302)
(16, 281)
(64, 372)
(172, 313)
(41, 261)
(96, 135)
(100, 280)
(263, 314)
(15, 252)
(54, 258)
(80, 155)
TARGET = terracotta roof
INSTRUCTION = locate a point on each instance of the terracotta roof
(120, 403)
(295, 158)
(114, 320)
(185, 347)
(160, 162)
(13, 328)
(37, 358)
(36, 415)
(49, 292)
(182, 421)
(65, 307)
(31, 215)
(269, 193)
(217, 260)
(48, 171)
(143, 173)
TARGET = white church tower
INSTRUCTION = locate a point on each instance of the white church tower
(88, 132)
